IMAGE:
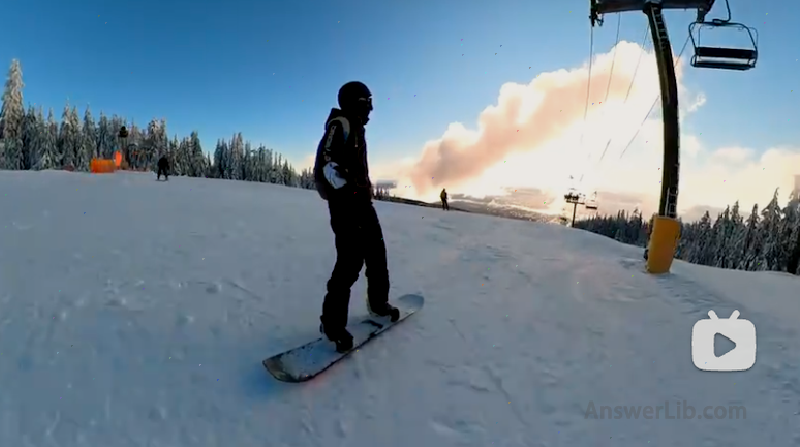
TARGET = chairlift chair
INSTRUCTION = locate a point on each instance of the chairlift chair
(723, 58)
(591, 203)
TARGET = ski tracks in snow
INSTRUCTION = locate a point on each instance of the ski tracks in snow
(118, 332)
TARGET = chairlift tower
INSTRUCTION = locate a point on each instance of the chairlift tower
(575, 199)
(666, 228)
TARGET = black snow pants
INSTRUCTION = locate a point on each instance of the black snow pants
(445, 206)
(162, 169)
(359, 241)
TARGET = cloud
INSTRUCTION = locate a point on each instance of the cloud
(548, 110)
(731, 155)
(535, 137)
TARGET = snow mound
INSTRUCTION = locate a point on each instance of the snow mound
(137, 313)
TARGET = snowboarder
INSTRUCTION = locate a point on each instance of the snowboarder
(341, 174)
(163, 166)
(443, 196)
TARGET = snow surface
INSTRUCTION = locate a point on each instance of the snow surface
(137, 313)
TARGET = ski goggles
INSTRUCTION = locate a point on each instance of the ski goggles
(367, 101)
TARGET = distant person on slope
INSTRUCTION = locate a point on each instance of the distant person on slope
(163, 166)
(341, 174)
(443, 196)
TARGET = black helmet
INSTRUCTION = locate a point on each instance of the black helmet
(356, 97)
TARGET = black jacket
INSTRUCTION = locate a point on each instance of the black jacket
(163, 163)
(342, 152)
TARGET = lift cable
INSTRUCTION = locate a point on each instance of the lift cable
(630, 86)
(614, 58)
(608, 87)
(588, 82)
(652, 106)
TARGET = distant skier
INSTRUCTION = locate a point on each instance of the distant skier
(163, 166)
(443, 196)
(341, 174)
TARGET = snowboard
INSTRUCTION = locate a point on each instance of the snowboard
(305, 362)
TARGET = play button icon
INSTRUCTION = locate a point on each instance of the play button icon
(722, 345)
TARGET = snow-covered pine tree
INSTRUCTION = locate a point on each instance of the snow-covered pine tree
(288, 177)
(173, 157)
(723, 233)
(90, 132)
(198, 160)
(81, 163)
(704, 252)
(236, 157)
(155, 144)
(753, 241)
(30, 139)
(735, 244)
(218, 159)
(12, 113)
(67, 137)
(183, 165)
(50, 157)
(208, 167)
(307, 180)
(39, 139)
(773, 250)
(135, 145)
(277, 170)
(791, 231)
(104, 136)
(88, 143)
(266, 164)
(247, 163)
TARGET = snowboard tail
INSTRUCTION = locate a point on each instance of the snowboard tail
(305, 362)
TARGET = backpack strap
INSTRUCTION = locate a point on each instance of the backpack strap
(345, 125)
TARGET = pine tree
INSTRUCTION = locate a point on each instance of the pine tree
(135, 146)
(155, 143)
(791, 233)
(12, 115)
(175, 162)
(236, 157)
(50, 158)
(40, 137)
(67, 138)
(735, 245)
(183, 166)
(753, 241)
(247, 162)
(90, 139)
(773, 251)
(198, 160)
(30, 139)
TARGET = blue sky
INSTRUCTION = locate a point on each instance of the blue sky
(271, 70)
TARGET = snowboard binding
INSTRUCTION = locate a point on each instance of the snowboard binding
(342, 338)
(384, 310)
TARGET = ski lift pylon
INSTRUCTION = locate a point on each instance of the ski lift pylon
(572, 196)
(723, 58)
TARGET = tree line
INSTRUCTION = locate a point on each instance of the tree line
(29, 141)
(766, 240)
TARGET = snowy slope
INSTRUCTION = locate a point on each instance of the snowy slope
(136, 313)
